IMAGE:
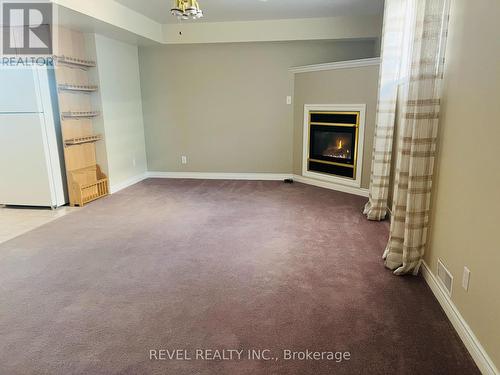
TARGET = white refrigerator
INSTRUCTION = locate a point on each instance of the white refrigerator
(31, 153)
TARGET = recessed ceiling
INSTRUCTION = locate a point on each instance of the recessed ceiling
(251, 10)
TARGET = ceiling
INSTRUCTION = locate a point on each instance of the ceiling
(251, 10)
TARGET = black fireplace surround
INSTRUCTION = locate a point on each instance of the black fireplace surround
(333, 138)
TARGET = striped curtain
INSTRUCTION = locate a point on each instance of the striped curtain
(391, 53)
(414, 38)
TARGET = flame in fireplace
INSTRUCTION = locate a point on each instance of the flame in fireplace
(340, 147)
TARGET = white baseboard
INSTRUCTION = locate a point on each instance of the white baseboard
(476, 350)
(239, 176)
(259, 177)
(331, 185)
(129, 182)
(220, 176)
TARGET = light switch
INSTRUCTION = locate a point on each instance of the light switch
(288, 100)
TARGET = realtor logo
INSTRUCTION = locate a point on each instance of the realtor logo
(27, 28)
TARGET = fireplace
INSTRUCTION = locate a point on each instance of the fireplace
(332, 144)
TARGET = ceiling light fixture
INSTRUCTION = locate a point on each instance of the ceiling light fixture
(186, 9)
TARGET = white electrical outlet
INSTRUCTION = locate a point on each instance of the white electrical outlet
(466, 278)
(134, 162)
(184, 159)
(288, 100)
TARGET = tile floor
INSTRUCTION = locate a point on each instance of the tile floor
(15, 220)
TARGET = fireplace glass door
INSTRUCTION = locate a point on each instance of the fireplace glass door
(332, 143)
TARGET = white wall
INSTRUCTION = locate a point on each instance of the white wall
(121, 106)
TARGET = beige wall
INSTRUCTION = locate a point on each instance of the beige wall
(224, 105)
(465, 222)
(339, 86)
(121, 106)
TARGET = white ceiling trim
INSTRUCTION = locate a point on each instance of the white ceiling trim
(353, 27)
(117, 15)
(255, 10)
(335, 65)
(113, 14)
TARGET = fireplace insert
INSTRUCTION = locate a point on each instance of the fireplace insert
(333, 138)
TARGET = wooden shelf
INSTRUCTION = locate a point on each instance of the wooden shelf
(76, 115)
(76, 62)
(79, 88)
(80, 140)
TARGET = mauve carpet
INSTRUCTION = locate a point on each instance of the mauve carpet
(192, 264)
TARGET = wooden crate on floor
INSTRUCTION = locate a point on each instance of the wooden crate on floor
(87, 185)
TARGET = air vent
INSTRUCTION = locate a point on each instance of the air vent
(445, 277)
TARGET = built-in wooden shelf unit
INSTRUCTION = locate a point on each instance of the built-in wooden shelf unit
(86, 181)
